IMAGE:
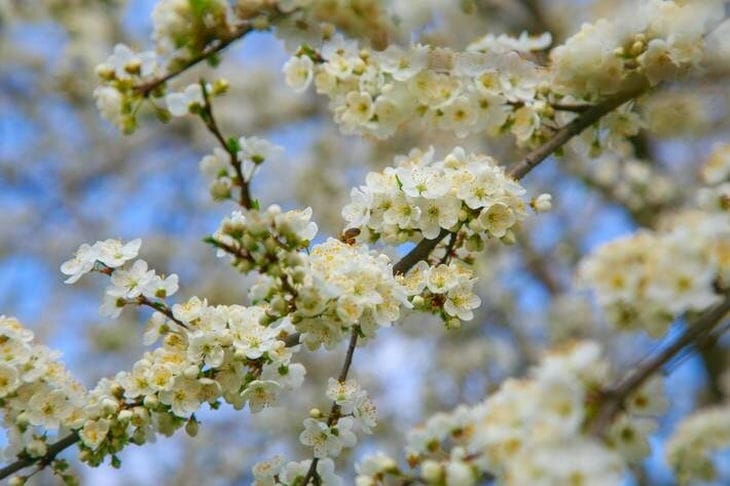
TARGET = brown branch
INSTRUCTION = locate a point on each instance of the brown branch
(532, 160)
(575, 127)
(418, 253)
(539, 266)
(212, 126)
(161, 308)
(449, 249)
(148, 87)
(334, 414)
(613, 398)
(53, 450)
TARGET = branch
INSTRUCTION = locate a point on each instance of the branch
(614, 396)
(146, 88)
(538, 266)
(335, 410)
(575, 127)
(420, 252)
(53, 450)
(209, 119)
(532, 160)
(160, 307)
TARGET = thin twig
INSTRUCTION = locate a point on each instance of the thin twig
(334, 414)
(210, 123)
(538, 266)
(614, 396)
(575, 127)
(161, 308)
(148, 87)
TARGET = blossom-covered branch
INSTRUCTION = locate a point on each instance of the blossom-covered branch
(424, 248)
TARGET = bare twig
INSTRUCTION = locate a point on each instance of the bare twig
(209, 119)
(613, 398)
(538, 266)
(146, 88)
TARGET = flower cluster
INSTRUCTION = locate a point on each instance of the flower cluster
(353, 401)
(446, 289)
(689, 449)
(118, 98)
(648, 279)
(207, 354)
(651, 42)
(531, 431)
(222, 171)
(109, 253)
(341, 286)
(274, 471)
(326, 436)
(37, 394)
(309, 21)
(266, 241)
(374, 92)
(133, 283)
(421, 197)
(182, 29)
(185, 31)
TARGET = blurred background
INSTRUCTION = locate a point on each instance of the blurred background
(68, 177)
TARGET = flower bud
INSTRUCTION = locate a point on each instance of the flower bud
(17, 481)
(431, 471)
(191, 372)
(542, 203)
(151, 402)
(191, 428)
(125, 416)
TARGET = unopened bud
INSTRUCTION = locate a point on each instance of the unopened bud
(509, 238)
(125, 416)
(542, 203)
(220, 86)
(191, 428)
(105, 72)
(431, 471)
(637, 48)
(453, 323)
(151, 402)
(17, 481)
(133, 67)
(191, 372)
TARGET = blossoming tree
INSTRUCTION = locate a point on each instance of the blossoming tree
(457, 109)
